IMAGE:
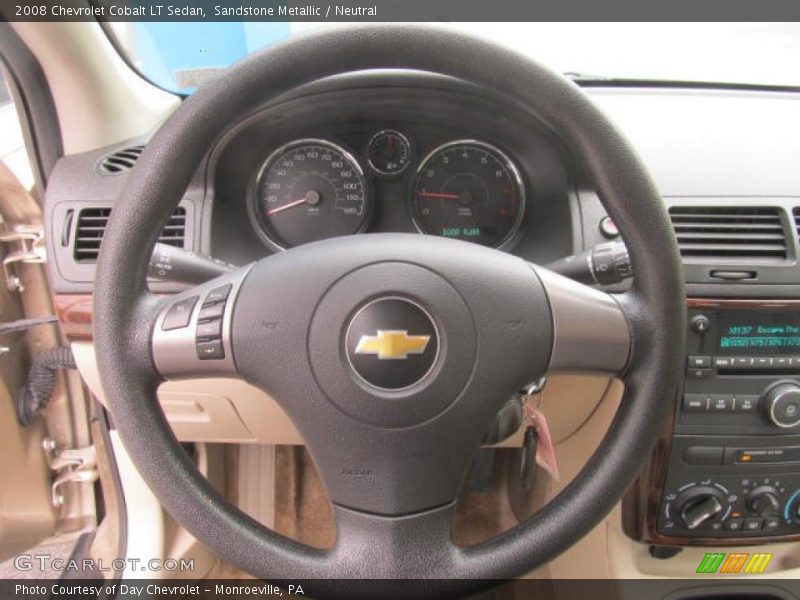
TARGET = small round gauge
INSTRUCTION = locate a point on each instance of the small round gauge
(389, 152)
(468, 190)
(309, 190)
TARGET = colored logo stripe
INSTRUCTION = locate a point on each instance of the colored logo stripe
(758, 563)
(734, 563)
(711, 562)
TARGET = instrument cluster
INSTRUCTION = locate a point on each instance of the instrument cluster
(311, 189)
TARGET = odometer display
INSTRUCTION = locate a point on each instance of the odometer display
(468, 190)
(310, 190)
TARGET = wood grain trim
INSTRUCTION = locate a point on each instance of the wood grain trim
(74, 312)
(699, 303)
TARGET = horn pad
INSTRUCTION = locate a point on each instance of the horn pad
(392, 344)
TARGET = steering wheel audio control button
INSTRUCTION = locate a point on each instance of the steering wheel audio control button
(210, 350)
(209, 329)
(179, 315)
(392, 343)
(214, 311)
(217, 294)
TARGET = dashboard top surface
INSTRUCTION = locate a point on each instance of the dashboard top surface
(700, 145)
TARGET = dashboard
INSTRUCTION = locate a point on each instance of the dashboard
(411, 152)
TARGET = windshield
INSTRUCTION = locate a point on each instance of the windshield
(181, 56)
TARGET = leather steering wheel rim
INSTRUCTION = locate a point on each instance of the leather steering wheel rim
(124, 324)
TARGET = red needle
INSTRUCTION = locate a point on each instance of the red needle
(278, 209)
(444, 195)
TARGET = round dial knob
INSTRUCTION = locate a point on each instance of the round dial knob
(781, 404)
(700, 505)
(763, 500)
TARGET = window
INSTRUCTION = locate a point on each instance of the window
(12, 142)
(180, 56)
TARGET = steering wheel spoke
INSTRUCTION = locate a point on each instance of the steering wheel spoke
(191, 332)
(373, 545)
(591, 332)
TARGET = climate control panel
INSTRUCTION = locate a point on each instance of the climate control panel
(732, 506)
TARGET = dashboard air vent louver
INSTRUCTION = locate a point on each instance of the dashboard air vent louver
(92, 225)
(796, 213)
(739, 233)
(120, 160)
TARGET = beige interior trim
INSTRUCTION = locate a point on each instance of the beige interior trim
(588, 558)
(103, 102)
(151, 533)
(208, 410)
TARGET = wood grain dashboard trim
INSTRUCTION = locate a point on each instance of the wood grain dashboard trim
(74, 312)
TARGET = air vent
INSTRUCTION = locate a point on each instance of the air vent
(729, 232)
(121, 160)
(92, 225)
(796, 213)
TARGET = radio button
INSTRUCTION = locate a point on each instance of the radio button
(723, 362)
(695, 403)
(721, 403)
(781, 362)
(743, 362)
(763, 362)
(781, 404)
(700, 324)
(745, 403)
(700, 373)
(698, 362)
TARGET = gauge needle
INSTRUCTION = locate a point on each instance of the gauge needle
(443, 195)
(278, 209)
(312, 197)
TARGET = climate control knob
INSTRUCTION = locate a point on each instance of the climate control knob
(700, 505)
(763, 501)
(781, 404)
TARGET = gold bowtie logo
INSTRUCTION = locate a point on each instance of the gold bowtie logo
(392, 344)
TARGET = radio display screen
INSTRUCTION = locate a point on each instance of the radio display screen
(751, 333)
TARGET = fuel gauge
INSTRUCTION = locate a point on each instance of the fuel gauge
(389, 153)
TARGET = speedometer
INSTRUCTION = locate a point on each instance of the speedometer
(309, 190)
(468, 190)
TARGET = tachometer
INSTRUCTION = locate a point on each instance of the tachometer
(468, 190)
(310, 190)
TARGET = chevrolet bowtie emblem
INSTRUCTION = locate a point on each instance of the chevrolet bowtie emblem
(392, 344)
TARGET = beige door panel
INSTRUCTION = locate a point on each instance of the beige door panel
(26, 515)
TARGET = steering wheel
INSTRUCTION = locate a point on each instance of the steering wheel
(391, 353)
